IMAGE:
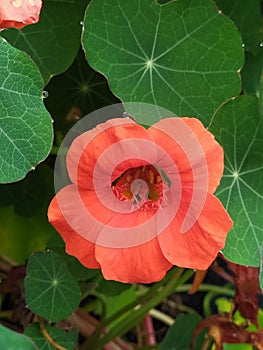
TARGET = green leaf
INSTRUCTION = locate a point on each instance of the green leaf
(247, 17)
(10, 340)
(67, 340)
(51, 290)
(239, 130)
(183, 55)
(179, 335)
(25, 125)
(54, 41)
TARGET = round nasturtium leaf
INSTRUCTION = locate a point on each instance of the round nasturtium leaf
(238, 128)
(25, 125)
(183, 55)
(51, 290)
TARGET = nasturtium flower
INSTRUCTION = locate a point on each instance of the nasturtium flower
(19, 13)
(141, 200)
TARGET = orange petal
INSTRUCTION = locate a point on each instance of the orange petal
(142, 264)
(111, 146)
(198, 247)
(19, 13)
(76, 245)
(192, 148)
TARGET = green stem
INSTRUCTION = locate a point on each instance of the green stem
(139, 308)
(207, 288)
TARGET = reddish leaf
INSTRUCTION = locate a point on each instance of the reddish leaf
(222, 330)
(247, 288)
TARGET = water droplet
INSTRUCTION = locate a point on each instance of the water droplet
(81, 23)
(17, 3)
(261, 44)
(44, 94)
(129, 116)
(243, 45)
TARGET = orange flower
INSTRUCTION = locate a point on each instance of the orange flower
(142, 200)
(19, 13)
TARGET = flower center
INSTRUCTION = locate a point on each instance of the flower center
(143, 185)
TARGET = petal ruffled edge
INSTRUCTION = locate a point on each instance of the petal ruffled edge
(141, 264)
(198, 247)
(76, 245)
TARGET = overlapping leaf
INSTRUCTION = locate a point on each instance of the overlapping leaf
(238, 128)
(25, 125)
(183, 55)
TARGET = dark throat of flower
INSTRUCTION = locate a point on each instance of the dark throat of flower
(142, 184)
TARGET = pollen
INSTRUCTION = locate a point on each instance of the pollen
(17, 3)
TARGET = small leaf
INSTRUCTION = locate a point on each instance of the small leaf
(67, 340)
(183, 55)
(179, 335)
(10, 340)
(51, 290)
(54, 41)
(238, 129)
(25, 126)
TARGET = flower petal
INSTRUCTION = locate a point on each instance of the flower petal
(76, 245)
(106, 139)
(202, 152)
(198, 247)
(19, 13)
(141, 264)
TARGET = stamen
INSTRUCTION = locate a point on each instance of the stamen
(151, 176)
(144, 186)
